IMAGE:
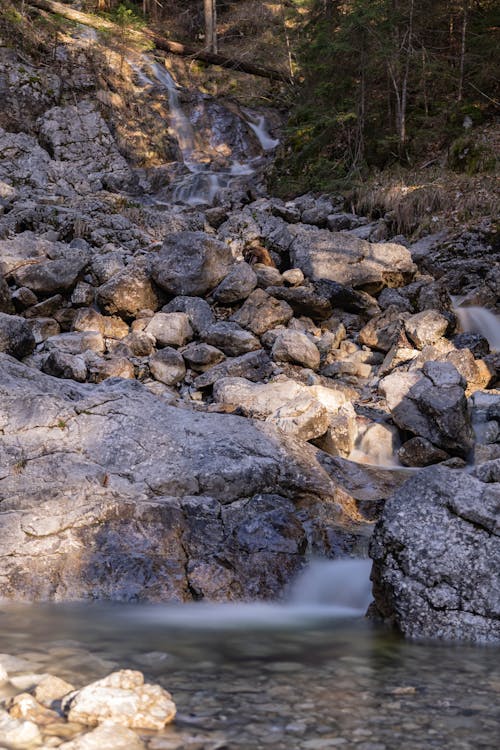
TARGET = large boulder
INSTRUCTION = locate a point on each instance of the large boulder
(111, 493)
(436, 557)
(191, 263)
(431, 403)
(16, 337)
(340, 257)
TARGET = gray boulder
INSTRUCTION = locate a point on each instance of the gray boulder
(111, 493)
(238, 284)
(127, 292)
(340, 257)
(431, 403)
(231, 338)
(295, 347)
(261, 312)
(50, 276)
(16, 337)
(436, 557)
(191, 263)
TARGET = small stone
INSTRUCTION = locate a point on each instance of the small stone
(51, 689)
(420, 452)
(106, 737)
(260, 312)
(293, 277)
(17, 734)
(302, 417)
(201, 357)
(168, 366)
(231, 338)
(16, 337)
(426, 327)
(237, 285)
(23, 298)
(170, 329)
(25, 706)
(295, 347)
(124, 699)
(66, 366)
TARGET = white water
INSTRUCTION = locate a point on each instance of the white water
(480, 320)
(259, 126)
(201, 185)
(326, 590)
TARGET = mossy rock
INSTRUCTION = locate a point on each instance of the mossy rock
(466, 155)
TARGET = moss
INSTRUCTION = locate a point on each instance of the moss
(469, 156)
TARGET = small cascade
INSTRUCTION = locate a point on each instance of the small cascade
(480, 320)
(259, 126)
(203, 178)
(326, 590)
(376, 445)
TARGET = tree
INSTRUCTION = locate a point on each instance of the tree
(209, 7)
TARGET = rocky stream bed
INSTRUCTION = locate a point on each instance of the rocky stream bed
(202, 388)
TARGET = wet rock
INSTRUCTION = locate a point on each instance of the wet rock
(198, 310)
(127, 292)
(168, 366)
(64, 365)
(420, 452)
(109, 736)
(292, 346)
(436, 556)
(431, 403)
(344, 259)
(191, 263)
(122, 698)
(231, 338)
(170, 329)
(237, 285)
(426, 327)
(201, 357)
(255, 366)
(260, 312)
(16, 337)
(51, 276)
(303, 417)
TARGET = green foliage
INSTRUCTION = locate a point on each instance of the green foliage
(466, 155)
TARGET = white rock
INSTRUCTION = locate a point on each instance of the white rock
(302, 417)
(18, 734)
(106, 737)
(122, 698)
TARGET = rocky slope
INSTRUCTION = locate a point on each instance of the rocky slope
(191, 381)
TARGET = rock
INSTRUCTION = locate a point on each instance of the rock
(168, 366)
(295, 347)
(51, 689)
(136, 344)
(16, 337)
(474, 342)
(420, 452)
(191, 263)
(122, 698)
(431, 403)
(255, 366)
(303, 301)
(109, 736)
(128, 292)
(50, 276)
(170, 329)
(260, 312)
(64, 365)
(426, 327)
(198, 310)
(6, 301)
(110, 326)
(112, 367)
(346, 298)
(22, 298)
(293, 277)
(83, 294)
(302, 417)
(231, 338)
(237, 285)
(321, 254)
(201, 357)
(44, 328)
(3, 674)
(436, 557)
(340, 437)
(25, 706)
(267, 276)
(17, 734)
(77, 135)
(384, 331)
(47, 308)
(76, 342)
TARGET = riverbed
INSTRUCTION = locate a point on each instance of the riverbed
(244, 681)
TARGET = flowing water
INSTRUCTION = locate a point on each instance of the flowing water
(308, 674)
(203, 178)
(483, 321)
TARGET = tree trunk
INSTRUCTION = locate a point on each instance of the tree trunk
(210, 25)
(462, 52)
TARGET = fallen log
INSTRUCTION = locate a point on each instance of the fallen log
(159, 42)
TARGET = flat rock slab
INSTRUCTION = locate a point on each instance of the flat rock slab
(106, 491)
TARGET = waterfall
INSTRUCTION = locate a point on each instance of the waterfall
(480, 320)
(201, 183)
